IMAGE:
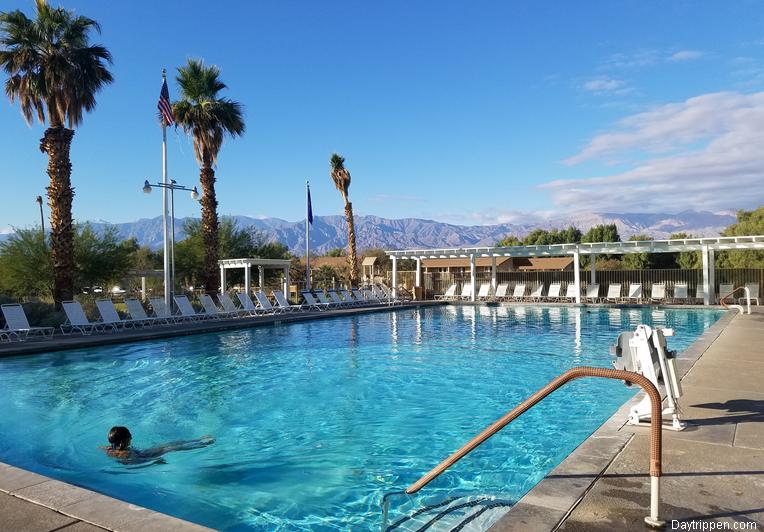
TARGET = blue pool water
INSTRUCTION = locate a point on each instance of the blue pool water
(315, 421)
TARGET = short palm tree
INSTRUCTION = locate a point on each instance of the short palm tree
(207, 118)
(55, 73)
(341, 178)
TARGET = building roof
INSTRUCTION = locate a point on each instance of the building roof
(527, 264)
(463, 263)
(369, 261)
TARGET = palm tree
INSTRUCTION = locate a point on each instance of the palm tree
(341, 178)
(54, 72)
(207, 118)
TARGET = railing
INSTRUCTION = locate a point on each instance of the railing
(739, 307)
(572, 374)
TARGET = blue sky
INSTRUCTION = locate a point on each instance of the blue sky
(467, 112)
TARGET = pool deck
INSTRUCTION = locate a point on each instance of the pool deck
(713, 472)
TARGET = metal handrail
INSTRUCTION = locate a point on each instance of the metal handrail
(572, 374)
(747, 299)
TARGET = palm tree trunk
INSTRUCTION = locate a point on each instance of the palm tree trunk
(353, 263)
(56, 143)
(210, 228)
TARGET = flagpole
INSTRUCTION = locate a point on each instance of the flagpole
(307, 235)
(167, 285)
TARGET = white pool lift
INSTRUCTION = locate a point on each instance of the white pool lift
(644, 351)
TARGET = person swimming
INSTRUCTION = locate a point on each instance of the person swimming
(120, 440)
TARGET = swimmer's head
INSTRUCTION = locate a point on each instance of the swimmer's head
(120, 438)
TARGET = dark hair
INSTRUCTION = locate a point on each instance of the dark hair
(119, 438)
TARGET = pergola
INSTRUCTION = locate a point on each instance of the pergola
(261, 264)
(707, 247)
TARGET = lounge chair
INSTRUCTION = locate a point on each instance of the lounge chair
(400, 296)
(110, 316)
(753, 289)
(658, 293)
(213, 310)
(570, 293)
(283, 303)
(613, 293)
(554, 292)
(16, 323)
(337, 300)
(384, 296)
(373, 297)
(635, 293)
(449, 294)
(348, 296)
(593, 293)
(466, 291)
(76, 320)
(230, 307)
(519, 292)
(247, 303)
(680, 293)
(699, 294)
(264, 304)
(537, 294)
(501, 292)
(360, 296)
(484, 292)
(187, 309)
(161, 311)
(310, 301)
(324, 300)
(138, 314)
(725, 293)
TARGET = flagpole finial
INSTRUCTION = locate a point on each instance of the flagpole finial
(164, 73)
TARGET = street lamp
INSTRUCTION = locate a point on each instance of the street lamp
(172, 186)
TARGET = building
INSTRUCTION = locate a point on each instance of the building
(503, 264)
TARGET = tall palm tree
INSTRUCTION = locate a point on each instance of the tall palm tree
(54, 72)
(207, 118)
(341, 178)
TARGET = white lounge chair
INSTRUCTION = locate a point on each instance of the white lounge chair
(699, 294)
(138, 314)
(283, 303)
(310, 301)
(537, 294)
(230, 307)
(680, 293)
(161, 311)
(466, 291)
(16, 323)
(401, 294)
(593, 293)
(635, 293)
(753, 289)
(265, 304)
(484, 291)
(554, 292)
(658, 293)
(213, 310)
(725, 293)
(77, 320)
(187, 309)
(501, 292)
(519, 292)
(110, 316)
(449, 294)
(570, 293)
(247, 303)
(613, 293)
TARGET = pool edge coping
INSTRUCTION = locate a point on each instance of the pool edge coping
(554, 497)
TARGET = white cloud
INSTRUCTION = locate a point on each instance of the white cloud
(703, 153)
(605, 85)
(685, 55)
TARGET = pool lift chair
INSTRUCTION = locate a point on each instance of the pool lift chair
(644, 351)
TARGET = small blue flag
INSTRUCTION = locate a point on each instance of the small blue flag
(310, 208)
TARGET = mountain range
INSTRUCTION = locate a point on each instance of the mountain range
(329, 232)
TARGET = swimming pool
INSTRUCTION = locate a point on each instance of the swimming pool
(316, 420)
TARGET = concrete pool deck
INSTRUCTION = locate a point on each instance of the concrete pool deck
(713, 470)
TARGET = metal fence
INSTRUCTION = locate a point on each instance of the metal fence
(437, 283)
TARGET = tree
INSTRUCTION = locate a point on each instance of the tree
(341, 178)
(55, 73)
(748, 223)
(25, 266)
(336, 252)
(542, 237)
(602, 233)
(509, 240)
(101, 259)
(686, 260)
(208, 118)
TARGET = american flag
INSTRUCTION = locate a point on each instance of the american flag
(164, 106)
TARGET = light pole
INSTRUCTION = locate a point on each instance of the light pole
(172, 186)
(42, 221)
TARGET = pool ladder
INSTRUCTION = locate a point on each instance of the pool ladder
(653, 519)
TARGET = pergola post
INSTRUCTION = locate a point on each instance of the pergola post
(577, 276)
(286, 282)
(395, 276)
(418, 278)
(143, 287)
(493, 274)
(712, 275)
(261, 277)
(222, 279)
(473, 277)
(593, 269)
(247, 278)
(706, 276)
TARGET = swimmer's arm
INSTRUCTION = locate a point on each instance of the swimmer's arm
(181, 445)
